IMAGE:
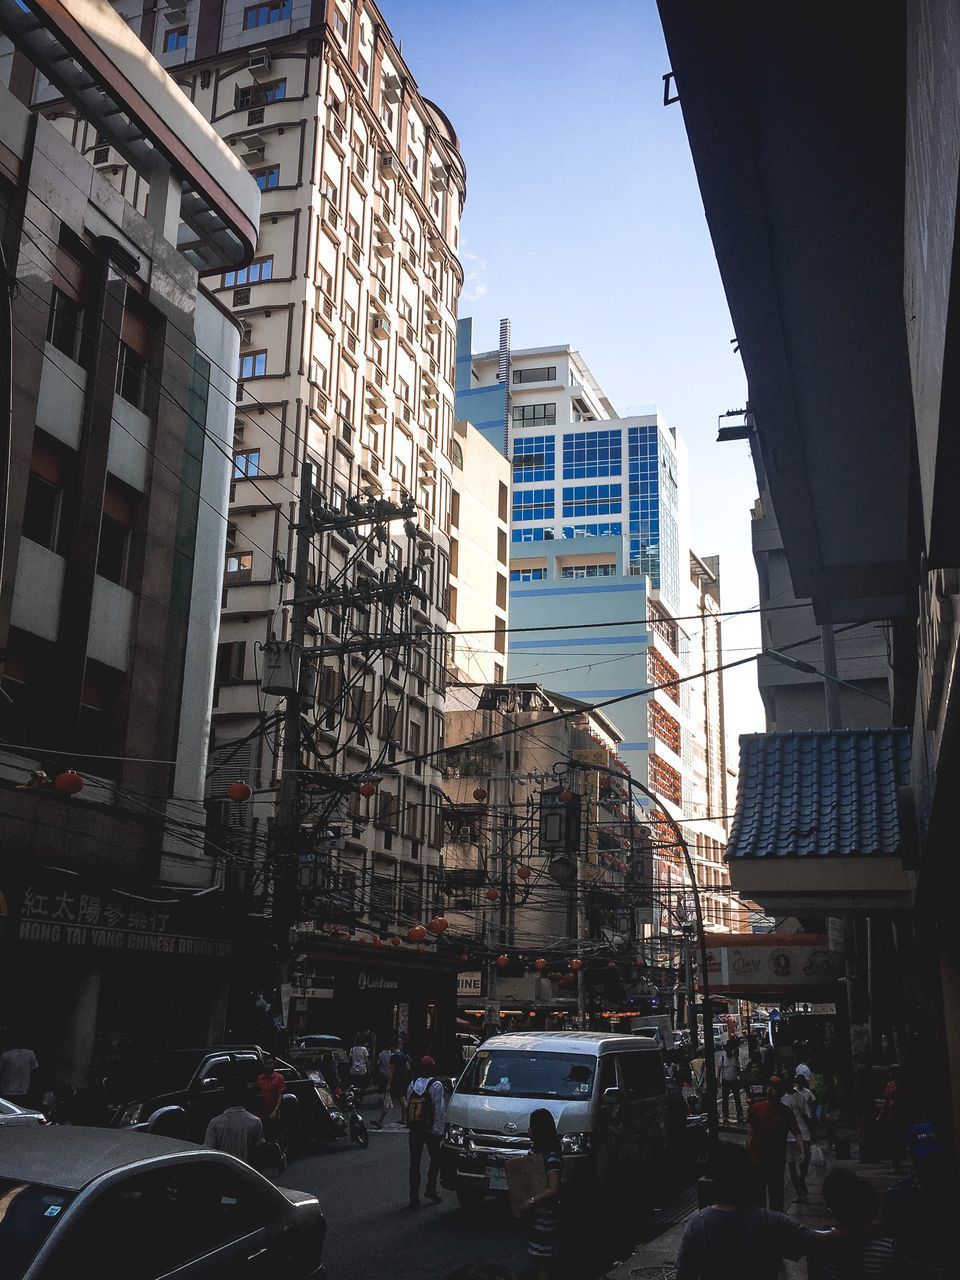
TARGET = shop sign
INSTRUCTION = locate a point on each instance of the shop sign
(767, 962)
(374, 982)
(61, 913)
(468, 984)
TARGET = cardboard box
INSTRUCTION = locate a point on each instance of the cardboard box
(526, 1177)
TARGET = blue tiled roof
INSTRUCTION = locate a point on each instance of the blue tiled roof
(820, 794)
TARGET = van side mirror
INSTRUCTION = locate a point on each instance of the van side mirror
(208, 1083)
(611, 1096)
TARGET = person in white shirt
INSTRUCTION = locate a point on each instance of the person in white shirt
(235, 1131)
(16, 1072)
(426, 1116)
(359, 1068)
(800, 1101)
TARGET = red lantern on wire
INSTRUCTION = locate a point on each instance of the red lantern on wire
(576, 965)
(367, 789)
(503, 961)
(479, 793)
(438, 925)
(568, 979)
(416, 933)
(524, 873)
(395, 941)
(540, 965)
(566, 796)
(68, 783)
(239, 791)
(376, 941)
(491, 895)
(555, 978)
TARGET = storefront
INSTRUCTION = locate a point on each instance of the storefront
(353, 989)
(94, 975)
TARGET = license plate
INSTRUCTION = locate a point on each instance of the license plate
(497, 1178)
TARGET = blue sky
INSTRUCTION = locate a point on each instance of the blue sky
(584, 224)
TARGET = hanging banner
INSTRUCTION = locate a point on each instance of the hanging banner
(753, 964)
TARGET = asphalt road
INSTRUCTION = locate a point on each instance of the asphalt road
(373, 1235)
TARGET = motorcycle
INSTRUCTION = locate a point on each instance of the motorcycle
(350, 1105)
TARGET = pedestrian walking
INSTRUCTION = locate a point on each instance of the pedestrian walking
(728, 1071)
(734, 1239)
(920, 1209)
(869, 1252)
(16, 1074)
(543, 1210)
(270, 1089)
(235, 1130)
(426, 1113)
(769, 1124)
(359, 1068)
(798, 1165)
(383, 1070)
(754, 1085)
(398, 1079)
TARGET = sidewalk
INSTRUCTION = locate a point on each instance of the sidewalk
(654, 1261)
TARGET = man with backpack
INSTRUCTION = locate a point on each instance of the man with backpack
(426, 1112)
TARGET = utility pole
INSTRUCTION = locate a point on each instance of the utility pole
(831, 688)
(288, 794)
(581, 920)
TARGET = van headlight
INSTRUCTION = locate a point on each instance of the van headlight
(575, 1144)
(131, 1114)
(456, 1135)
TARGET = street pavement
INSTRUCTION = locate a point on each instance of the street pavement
(373, 1235)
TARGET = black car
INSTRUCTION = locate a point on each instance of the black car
(133, 1206)
(178, 1093)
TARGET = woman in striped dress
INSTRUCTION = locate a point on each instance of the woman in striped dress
(543, 1239)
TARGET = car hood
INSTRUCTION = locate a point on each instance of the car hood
(492, 1113)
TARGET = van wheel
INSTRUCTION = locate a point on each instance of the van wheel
(469, 1199)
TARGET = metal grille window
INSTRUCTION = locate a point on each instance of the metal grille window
(592, 500)
(591, 453)
(534, 457)
(543, 373)
(532, 504)
(382, 889)
(535, 415)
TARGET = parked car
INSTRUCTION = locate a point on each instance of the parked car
(94, 1202)
(308, 1050)
(607, 1094)
(13, 1113)
(178, 1093)
(467, 1045)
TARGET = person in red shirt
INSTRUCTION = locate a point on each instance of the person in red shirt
(769, 1123)
(270, 1087)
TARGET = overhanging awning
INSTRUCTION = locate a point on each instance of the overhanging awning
(817, 823)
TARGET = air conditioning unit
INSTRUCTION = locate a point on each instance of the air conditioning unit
(464, 833)
(104, 156)
(430, 398)
(258, 60)
(175, 13)
(391, 86)
(254, 155)
(438, 177)
(381, 326)
(377, 415)
(389, 166)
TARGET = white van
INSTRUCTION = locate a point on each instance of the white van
(607, 1094)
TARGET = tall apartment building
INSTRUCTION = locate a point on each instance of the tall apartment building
(119, 427)
(347, 361)
(599, 535)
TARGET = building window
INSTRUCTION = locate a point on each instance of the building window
(528, 575)
(386, 115)
(131, 376)
(602, 530)
(258, 95)
(252, 365)
(174, 38)
(246, 464)
(456, 454)
(230, 661)
(116, 528)
(340, 24)
(534, 457)
(588, 571)
(501, 546)
(545, 373)
(325, 281)
(263, 15)
(363, 70)
(413, 164)
(65, 324)
(592, 500)
(535, 415)
(503, 502)
(591, 453)
(258, 270)
(532, 504)
(239, 567)
(532, 535)
(266, 179)
(41, 512)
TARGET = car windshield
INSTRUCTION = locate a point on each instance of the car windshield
(28, 1213)
(525, 1074)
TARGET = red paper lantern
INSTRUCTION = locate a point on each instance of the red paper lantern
(416, 933)
(524, 873)
(568, 980)
(555, 978)
(367, 789)
(567, 796)
(576, 965)
(376, 941)
(438, 924)
(540, 965)
(491, 895)
(69, 783)
(239, 791)
(502, 961)
(395, 941)
(479, 793)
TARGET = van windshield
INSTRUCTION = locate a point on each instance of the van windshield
(521, 1074)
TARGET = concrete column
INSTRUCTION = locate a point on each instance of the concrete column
(74, 1055)
(163, 204)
